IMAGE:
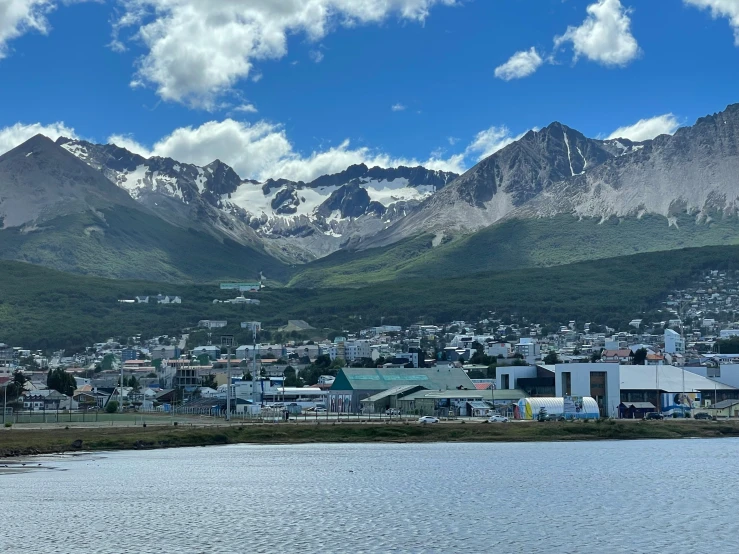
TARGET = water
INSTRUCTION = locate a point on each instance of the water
(604, 497)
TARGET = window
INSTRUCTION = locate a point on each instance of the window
(566, 383)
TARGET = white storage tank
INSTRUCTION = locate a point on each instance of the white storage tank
(577, 407)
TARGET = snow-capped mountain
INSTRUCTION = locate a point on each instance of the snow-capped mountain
(296, 220)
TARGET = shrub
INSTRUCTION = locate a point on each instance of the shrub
(112, 407)
(8, 424)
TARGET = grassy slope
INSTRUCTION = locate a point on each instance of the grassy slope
(126, 243)
(42, 308)
(515, 244)
(20, 442)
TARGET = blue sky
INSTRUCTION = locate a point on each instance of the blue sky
(297, 88)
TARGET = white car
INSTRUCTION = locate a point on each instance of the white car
(495, 418)
(428, 419)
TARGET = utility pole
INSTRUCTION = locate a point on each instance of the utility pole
(120, 408)
(228, 342)
(5, 401)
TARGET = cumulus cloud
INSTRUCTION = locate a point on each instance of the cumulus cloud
(397, 107)
(262, 150)
(646, 129)
(488, 142)
(721, 8)
(521, 64)
(197, 50)
(12, 136)
(17, 17)
(605, 35)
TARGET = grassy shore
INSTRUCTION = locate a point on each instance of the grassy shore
(25, 442)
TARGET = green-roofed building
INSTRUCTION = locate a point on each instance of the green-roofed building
(352, 385)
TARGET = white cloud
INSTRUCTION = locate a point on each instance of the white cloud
(721, 8)
(198, 50)
(397, 107)
(605, 35)
(262, 150)
(488, 142)
(17, 17)
(246, 108)
(130, 144)
(316, 56)
(646, 129)
(12, 136)
(521, 64)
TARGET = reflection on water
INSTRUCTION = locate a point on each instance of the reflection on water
(642, 496)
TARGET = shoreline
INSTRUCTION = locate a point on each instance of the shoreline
(29, 442)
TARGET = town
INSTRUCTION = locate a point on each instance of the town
(684, 366)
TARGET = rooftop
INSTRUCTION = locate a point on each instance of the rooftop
(667, 378)
(438, 378)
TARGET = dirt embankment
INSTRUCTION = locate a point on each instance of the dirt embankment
(25, 442)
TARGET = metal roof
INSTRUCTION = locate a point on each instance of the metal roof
(724, 404)
(668, 378)
(383, 378)
(390, 392)
(640, 405)
(443, 394)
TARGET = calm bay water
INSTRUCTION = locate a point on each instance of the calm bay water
(645, 496)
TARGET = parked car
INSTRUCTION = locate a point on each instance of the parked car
(654, 415)
(428, 419)
(495, 418)
(320, 410)
(392, 411)
(702, 415)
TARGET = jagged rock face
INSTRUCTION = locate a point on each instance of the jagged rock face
(366, 199)
(350, 201)
(40, 181)
(695, 171)
(556, 170)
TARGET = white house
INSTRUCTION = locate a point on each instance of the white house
(674, 343)
(527, 347)
(499, 349)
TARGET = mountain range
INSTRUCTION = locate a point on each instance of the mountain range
(551, 197)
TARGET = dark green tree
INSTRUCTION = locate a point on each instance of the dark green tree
(640, 357)
(551, 358)
(209, 381)
(17, 384)
(61, 381)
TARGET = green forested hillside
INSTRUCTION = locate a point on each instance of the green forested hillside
(42, 308)
(513, 244)
(126, 243)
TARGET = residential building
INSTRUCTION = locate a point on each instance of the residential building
(213, 352)
(620, 356)
(527, 347)
(6, 354)
(674, 343)
(498, 349)
(212, 324)
(164, 352)
(350, 350)
(129, 354)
